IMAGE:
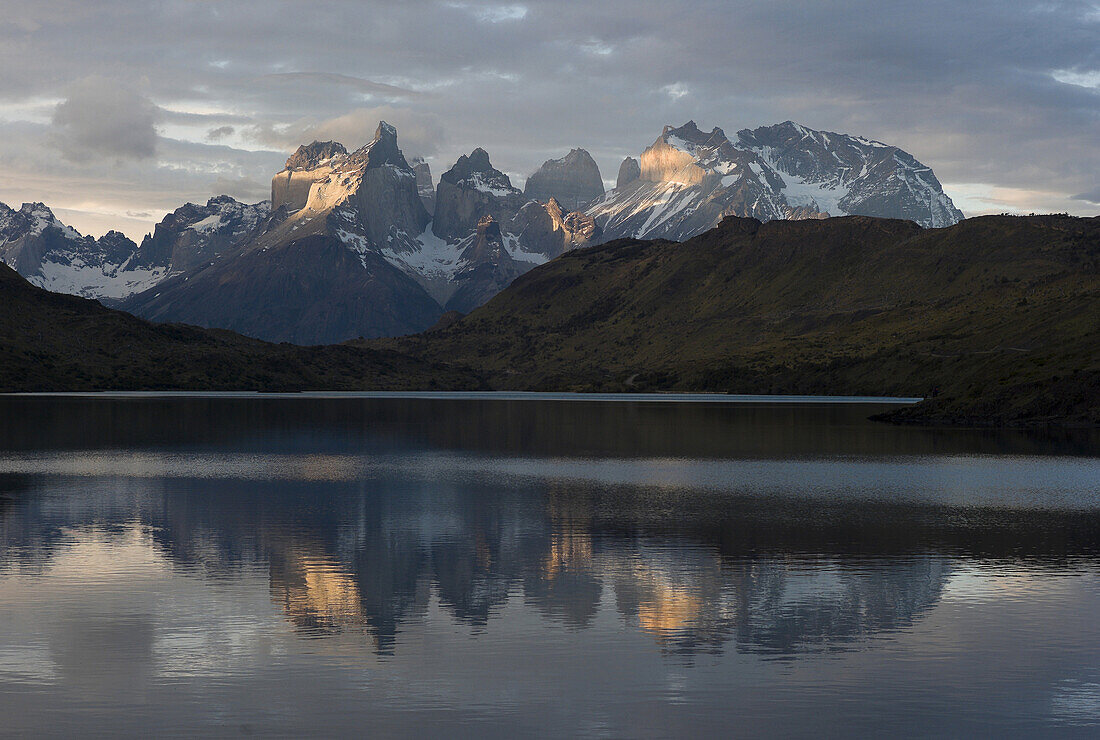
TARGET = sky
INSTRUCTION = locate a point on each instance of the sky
(115, 112)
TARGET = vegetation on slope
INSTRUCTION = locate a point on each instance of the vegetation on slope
(53, 342)
(995, 320)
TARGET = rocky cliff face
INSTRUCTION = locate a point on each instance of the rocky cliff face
(474, 202)
(469, 191)
(548, 230)
(688, 180)
(372, 190)
(310, 164)
(424, 183)
(573, 181)
(488, 268)
(629, 171)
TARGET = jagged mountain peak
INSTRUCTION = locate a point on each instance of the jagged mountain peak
(476, 161)
(385, 131)
(841, 174)
(479, 159)
(688, 179)
(690, 133)
(573, 180)
(477, 171)
(116, 237)
(32, 219)
(375, 184)
(381, 150)
(554, 208)
(629, 171)
(309, 156)
(577, 154)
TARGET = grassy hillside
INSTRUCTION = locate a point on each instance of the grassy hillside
(997, 317)
(54, 342)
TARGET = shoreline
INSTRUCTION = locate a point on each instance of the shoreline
(595, 397)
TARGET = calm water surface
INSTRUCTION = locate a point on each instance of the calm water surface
(490, 567)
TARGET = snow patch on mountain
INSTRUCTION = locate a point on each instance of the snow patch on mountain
(96, 281)
(478, 181)
(433, 257)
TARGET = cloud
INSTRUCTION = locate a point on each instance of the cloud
(242, 188)
(675, 90)
(491, 12)
(1092, 196)
(334, 79)
(103, 118)
(418, 133)
(1001, 100)
(219, 133)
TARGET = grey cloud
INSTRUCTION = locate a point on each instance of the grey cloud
(333, 79)
(969, 88)
(219, 133)
(96, 198)
(418, 133)
(103, 118)
(200, 119)
(1093, 196)
(243, 188)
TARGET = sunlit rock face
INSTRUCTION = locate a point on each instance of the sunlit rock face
(573, 181)
(373, 187)
(310, 164)
(689, 179)
(549, 230)
(321, 267)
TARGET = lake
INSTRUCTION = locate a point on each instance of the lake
(486, 566)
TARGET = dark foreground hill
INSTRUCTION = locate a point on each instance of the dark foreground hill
(995, 320)
(53, 342)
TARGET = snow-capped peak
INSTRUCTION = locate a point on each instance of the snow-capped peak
(40, 218)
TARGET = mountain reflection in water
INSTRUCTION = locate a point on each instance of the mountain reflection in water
(772, 576)
(261, 542)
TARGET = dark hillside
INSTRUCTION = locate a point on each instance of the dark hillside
(998, 317)
(53, 342)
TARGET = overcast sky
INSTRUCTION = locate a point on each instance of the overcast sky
(114, 112)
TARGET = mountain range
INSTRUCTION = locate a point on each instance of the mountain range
(366, 244)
